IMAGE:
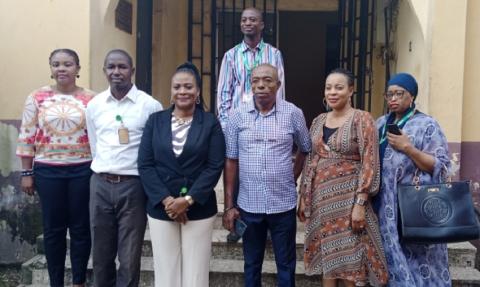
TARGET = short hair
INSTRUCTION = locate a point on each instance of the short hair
(70, 52)
(119, 51)
(346, 73)
(260, 14)
(269, 66)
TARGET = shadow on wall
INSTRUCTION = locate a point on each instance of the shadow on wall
(20, 216)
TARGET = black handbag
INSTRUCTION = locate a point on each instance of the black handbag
(436, 213)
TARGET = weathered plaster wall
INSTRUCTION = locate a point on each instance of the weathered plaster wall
(412, 49)
(447, 67)
(471, 100)
(30, 30)
(20, 221)
(104, 36)
(470, 146)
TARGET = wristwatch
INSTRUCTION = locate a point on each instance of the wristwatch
(189, 199)
(360, 201)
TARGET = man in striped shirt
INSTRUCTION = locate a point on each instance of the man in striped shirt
(234, 85)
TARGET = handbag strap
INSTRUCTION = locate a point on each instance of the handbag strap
(445, 176)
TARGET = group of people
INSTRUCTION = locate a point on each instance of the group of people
(103, 165)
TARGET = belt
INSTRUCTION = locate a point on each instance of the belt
(116, 178)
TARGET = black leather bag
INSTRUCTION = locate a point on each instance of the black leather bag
(437, 213)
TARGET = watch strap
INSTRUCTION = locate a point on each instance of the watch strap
(360, 201)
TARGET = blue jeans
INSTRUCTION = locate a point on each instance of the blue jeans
(283, 227)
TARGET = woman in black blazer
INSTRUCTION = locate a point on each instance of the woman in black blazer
(180, 160)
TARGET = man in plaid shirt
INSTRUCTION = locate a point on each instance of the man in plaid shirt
(260, 137)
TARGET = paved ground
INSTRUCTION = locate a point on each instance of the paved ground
(9, 276)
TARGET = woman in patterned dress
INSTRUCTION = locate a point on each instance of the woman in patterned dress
(55, 154)
(342, 240)
(423, 146)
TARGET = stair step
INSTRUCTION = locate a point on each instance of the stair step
(221, 271)
(460, 254)
(465, 277)
(226, 270)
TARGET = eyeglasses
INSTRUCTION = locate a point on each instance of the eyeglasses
(397, 94)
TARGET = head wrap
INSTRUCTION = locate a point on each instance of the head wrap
(405, 81)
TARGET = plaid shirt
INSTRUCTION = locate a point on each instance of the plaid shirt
(234, 87)
(263, 145)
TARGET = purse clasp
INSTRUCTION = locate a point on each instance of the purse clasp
(433, 189)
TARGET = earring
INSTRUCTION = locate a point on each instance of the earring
(171, 101)
(78, 76)
(325, 104)
(197, 101)
(411, 104)
(51, 76)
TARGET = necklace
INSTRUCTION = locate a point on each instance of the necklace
(337, 121)
(182, 121)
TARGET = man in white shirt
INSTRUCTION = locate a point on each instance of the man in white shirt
(115, 121)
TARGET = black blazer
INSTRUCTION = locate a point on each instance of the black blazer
(198, 167)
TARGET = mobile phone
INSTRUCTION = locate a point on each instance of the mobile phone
(394, 129)
(240, 227)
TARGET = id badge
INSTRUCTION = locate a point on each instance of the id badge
(123, 137)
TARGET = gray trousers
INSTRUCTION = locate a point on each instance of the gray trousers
(117, 220)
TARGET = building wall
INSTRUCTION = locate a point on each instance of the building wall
(443, 56)
(471, 102)
(470, 147)
(169, 44)
(170, 32)
(104, 36)
(411, 49)
(30, 30)
(427, 32)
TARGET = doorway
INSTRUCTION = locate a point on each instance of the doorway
(310, 46)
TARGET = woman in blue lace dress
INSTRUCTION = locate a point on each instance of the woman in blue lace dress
(423, 146)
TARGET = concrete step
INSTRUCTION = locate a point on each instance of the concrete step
(221, 249)
(460, 254)
(221, 272)
(465, 277)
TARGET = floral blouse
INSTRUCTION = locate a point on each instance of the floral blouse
(53, 129)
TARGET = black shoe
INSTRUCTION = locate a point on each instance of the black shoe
(232, 237)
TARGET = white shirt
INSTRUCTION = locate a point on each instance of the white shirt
(134, 109)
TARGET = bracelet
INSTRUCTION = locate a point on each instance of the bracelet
(27, 172)
(228, 208)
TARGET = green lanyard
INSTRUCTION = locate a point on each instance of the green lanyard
(399, 123)
(256, 60)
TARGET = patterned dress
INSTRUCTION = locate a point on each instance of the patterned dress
(334, 173)
(412, 265)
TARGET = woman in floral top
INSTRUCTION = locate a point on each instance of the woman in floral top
(55, 153)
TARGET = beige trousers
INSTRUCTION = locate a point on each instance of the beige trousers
(181, 253)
